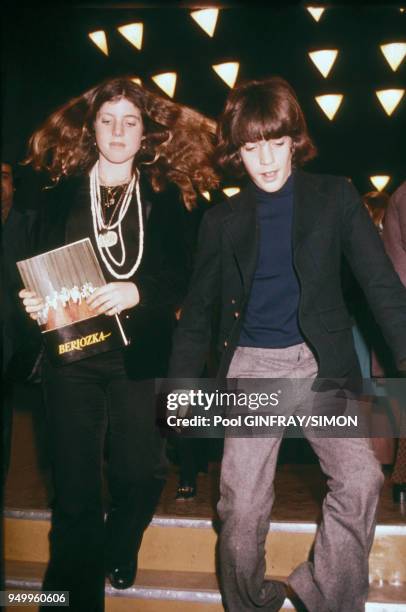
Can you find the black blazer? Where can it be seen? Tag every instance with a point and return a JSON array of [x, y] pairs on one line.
[[329, 221], [161, 278]]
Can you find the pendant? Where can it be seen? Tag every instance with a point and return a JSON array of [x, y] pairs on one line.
[[107, 239]]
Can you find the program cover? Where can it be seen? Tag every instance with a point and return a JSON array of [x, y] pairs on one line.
[[64, 278]]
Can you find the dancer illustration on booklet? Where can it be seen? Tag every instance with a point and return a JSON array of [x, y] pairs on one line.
[[111, 152], [271, 256]]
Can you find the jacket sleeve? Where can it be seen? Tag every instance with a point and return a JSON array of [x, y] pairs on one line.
[[374, 271], [192, 337]]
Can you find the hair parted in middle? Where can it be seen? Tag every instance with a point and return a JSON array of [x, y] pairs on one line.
[[261, 110], [177, 146]]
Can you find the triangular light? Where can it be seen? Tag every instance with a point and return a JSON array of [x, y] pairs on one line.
[[206, 19], [379, 181], [329, 104], [390, 98], [137, 80], [167, 82], [228, 72], [100, 40], [230, 191], [394, 54], [206, 195], [324, 60], [316, 12], [133, 33]]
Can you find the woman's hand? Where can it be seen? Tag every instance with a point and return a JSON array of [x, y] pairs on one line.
[[113, 298], [32, 303]]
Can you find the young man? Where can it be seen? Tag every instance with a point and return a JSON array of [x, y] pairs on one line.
[[271, 255]]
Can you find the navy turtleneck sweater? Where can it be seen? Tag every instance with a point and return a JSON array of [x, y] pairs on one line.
[[271, 317]]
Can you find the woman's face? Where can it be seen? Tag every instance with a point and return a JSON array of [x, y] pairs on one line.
[[118, 129]]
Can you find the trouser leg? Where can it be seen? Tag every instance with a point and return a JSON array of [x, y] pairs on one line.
[[137, 467], [76, 418], [336, 580], [247, 476], [246, 499]]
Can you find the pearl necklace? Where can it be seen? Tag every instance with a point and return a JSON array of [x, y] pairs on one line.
[[103, 230]]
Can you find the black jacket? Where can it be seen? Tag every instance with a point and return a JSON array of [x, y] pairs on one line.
[[161, 278], [329, 221]]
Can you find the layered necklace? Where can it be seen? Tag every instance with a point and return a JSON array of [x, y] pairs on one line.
[[107, 234]]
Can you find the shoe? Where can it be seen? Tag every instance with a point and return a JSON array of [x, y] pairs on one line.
[[399, 493], [185, 492], [123, 576]]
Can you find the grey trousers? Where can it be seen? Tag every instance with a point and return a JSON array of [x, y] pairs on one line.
[[336, 580]]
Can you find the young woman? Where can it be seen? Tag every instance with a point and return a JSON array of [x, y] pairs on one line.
[[110, 153], [271, 256]]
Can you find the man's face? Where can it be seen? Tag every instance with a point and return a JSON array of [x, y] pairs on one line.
[[6, 190], [268, 162]]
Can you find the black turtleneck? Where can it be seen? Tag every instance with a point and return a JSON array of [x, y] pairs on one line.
[[271, 318]]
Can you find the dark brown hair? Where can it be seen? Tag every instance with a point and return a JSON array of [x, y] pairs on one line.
[[177, 145], [376, 203], [261, 110]]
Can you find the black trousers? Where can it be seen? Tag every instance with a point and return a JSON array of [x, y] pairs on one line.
[[93, 408]]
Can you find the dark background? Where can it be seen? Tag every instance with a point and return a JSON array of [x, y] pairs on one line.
[[48, 58]]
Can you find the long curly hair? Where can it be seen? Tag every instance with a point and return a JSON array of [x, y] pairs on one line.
[[177, 146], [258, 110]]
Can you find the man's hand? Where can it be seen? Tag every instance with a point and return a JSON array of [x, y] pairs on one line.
[[113, 298]]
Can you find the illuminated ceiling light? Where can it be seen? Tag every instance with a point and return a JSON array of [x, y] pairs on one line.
[[329, 104], [133, 33], [228, 72], [137, 80], [100, 40], [206, 19], [379, 181], [167, 82], [230, 191], [390, 98], [394, 54], [316, 12], [402, 10], [206, 195], [324, 60]]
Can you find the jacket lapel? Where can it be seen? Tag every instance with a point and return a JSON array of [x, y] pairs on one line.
[[243, 231], [306, 206]]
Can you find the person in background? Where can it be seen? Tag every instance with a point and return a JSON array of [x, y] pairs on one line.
[[7, 190], [394, 239], [373, 353], [7, 193], [123, 164]]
